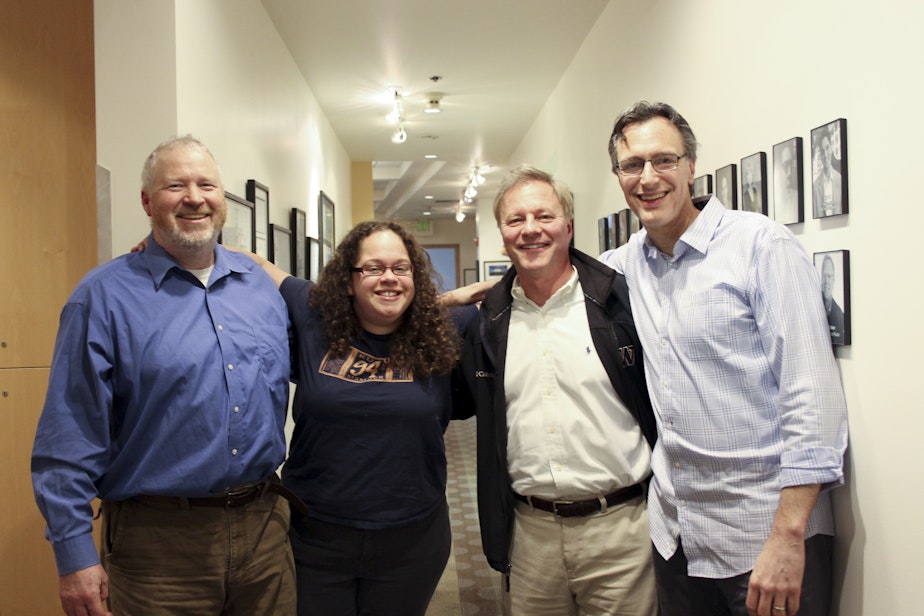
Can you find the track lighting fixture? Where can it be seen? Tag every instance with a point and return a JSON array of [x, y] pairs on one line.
[[433, 102], [470, 192], [460, 215], [400, 135], [396, 115]]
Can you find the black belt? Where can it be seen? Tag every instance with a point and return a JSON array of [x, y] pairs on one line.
[[569, 508], [235, 497]]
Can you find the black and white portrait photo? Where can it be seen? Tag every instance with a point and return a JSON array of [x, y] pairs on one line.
[[702, 186], [829, 169], [753, 183], [787, 182], [834, 268], [726, 186]]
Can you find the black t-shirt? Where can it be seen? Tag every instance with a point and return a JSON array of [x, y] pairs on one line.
[[367, 450]]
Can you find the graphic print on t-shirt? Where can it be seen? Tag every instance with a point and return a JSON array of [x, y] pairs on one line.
[[361, 367]]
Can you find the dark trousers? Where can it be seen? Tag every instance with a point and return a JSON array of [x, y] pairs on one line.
[[682, 595], [345, 571]]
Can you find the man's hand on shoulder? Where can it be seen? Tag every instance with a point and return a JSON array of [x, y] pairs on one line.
[[468, 294]]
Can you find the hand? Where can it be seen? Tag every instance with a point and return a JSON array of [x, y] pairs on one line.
[[140, 246], [83, 592], [776, 580], [468, 294]]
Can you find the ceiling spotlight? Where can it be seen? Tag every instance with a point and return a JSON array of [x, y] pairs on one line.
[[433, 102], [396, 115], [477, 178], [470, 192], [400, 135], [460, 215]]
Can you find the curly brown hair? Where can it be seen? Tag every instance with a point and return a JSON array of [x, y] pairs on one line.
[[425, 342]]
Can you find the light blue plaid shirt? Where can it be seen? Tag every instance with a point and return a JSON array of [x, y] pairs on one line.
[[743, 380]]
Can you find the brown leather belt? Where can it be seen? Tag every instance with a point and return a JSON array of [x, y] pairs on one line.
[[235, 497], [570, 509]]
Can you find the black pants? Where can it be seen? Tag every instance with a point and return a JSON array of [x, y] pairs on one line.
[[345, 571], [682, 595]]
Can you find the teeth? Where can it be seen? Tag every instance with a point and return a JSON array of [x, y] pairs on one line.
[[652, 197], [388, 293], [528, 246]]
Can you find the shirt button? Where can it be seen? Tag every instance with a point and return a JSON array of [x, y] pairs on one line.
[[220, 327], [234, 452], [237, 409], [230, 366]]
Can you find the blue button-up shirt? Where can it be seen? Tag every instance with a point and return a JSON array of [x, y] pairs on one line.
[[743, 381], [160, 386]]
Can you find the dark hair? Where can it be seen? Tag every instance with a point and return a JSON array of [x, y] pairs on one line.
[[643, 111], [425, 342]]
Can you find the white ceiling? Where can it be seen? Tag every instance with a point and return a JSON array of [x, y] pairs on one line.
[[495, 61]]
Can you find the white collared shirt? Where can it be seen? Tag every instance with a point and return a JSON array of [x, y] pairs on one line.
[[569, 434]]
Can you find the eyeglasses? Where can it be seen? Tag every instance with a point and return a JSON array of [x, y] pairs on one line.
[[661, 163], [376, 269]]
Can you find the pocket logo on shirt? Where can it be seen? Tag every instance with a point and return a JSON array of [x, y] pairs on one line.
[[361, 367]]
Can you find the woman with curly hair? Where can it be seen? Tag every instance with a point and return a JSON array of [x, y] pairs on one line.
[[374, 355]]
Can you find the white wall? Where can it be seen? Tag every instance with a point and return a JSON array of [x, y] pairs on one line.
[[216, 69], [747, 75]]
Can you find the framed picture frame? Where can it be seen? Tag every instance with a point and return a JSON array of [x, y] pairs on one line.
[[314, 258], [239, 224], [788, 194], [603, 234], [829, 169], [726, 186], [325, 228], [298, 223], [702, 186], [754, 183], [258, 194], [834, 268], [612, 228], [280, 246], [469, 276], [495, 270]]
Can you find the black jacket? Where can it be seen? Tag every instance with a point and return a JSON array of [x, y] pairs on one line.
[[606, 297]]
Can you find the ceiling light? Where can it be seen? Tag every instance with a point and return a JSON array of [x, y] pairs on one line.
[[470, 192], [433, 102], [460, 215], [396, 115], [477, 178], [428, 196], [400, 135], [427, 213], [429, 155]]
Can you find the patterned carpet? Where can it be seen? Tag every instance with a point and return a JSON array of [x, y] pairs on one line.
[[469, 587]]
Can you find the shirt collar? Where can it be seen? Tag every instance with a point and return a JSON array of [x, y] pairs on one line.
[[698, 235], [560, 296], [160, 263]]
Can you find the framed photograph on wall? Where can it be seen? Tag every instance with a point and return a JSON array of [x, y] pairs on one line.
[[829, 169], [702, 186], [603, 234], [280, 246], [238, 230], [314, 259], [299, 225], [495, 270], [622, 227], [834, 268], [469, 276], [788, 195], [258, 194], [726, 186], [754, 183], [325, 228], [612, 230]]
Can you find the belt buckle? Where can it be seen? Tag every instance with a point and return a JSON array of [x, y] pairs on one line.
[[556, 503], [232, 497]]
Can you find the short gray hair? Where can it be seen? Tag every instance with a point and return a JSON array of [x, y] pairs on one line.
[[523, 174], [174, 143]]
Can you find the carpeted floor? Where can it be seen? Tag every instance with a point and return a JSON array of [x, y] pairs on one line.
[[469, 587]]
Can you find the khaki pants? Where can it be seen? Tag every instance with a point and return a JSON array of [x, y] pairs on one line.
[[593, 565], [164, 559]]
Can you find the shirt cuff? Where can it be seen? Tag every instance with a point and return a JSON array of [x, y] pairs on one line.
[[817, 465], [75, 554]]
